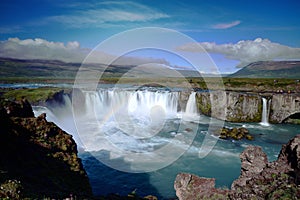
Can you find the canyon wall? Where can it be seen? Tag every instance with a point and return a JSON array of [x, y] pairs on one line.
[[283, 106], [247, 107]]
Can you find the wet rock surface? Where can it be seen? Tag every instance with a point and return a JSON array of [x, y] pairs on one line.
[[37, 158], [259, 179], [235, 133]]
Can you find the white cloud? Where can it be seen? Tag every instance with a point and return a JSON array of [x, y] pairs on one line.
[[70, 52], [226, 25], [108, 13], [247, 51], [41, 49]]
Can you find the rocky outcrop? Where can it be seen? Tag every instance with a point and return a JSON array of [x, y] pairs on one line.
[[235, 133], [259, 179], [190, 187], [247, 107], [39, 158], [19, 108], [290, 155], [230, 106], [283, 106]]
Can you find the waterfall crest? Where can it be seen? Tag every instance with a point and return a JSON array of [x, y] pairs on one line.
[[135, 103]]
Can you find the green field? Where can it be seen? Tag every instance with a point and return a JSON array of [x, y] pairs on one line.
[[230, 84]]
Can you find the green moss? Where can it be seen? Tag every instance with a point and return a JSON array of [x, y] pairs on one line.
[[32, 95], [287, 193], [11, 189], [204, 105]]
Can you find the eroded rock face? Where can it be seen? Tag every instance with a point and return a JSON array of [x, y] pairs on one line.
[[284, 105], [235, 133], [290, 155], [230, 106], [191, 187], [259, 178], [247, 107], [253, 162], [41, 157], [19, 108]]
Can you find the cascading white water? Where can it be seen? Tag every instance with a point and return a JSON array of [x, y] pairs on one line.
[[127, 114], [123, 117], [191, 106], [265, 113], [135, 103]]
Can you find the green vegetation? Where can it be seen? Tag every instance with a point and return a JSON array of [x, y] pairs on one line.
[[231, 84], [32, 95], [204, 104], [11, 189], [53, 71]]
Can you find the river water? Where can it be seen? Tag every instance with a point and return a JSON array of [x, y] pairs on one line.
[[122, 135]]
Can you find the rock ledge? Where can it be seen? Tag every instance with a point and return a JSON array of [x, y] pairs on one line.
[[259, 179]]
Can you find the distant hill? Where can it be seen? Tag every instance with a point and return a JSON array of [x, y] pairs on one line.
[[19, 68], [36, 68], [270, 69], [12, 68]]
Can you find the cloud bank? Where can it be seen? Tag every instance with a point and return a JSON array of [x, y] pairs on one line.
[[42, 49], [247, 51], [69, 52]]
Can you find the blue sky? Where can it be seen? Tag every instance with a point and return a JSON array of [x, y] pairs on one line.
[[220, 26]]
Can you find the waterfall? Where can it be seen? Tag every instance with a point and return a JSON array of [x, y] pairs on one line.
[[135, 103], [265, 113], [122, 117], [191, 106]]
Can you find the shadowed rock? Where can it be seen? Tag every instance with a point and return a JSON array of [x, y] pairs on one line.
[[259, 178], [19, 108], [39, 158]]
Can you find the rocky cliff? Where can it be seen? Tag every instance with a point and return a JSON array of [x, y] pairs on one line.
[[247, 107], [38, 159], [259, 179], [230, 106], [283, 106]]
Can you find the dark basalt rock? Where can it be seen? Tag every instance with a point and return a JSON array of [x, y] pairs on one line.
[[38, 159], [259, 178], [290, 155], [235, 133], [18, 108]]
